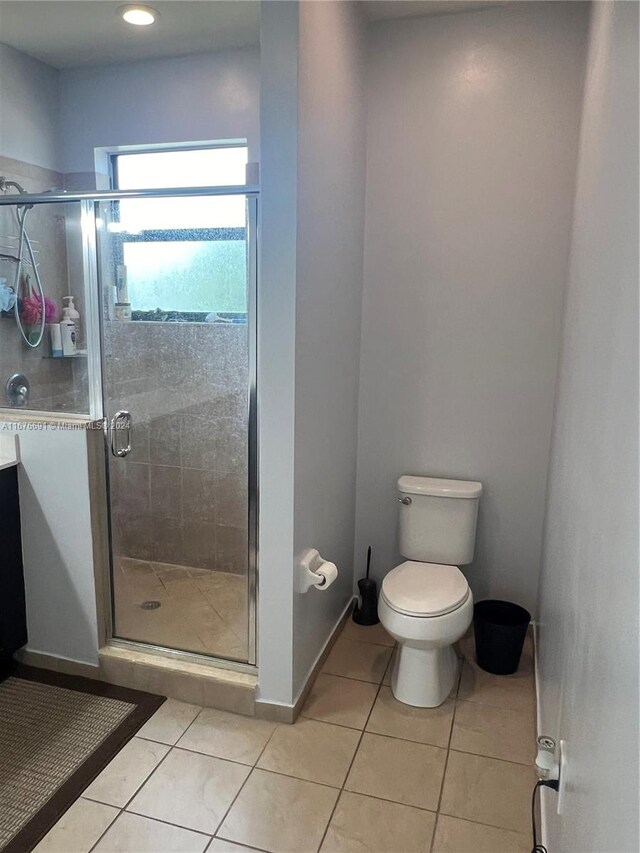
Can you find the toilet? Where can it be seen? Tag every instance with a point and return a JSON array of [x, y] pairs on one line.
[[425, 603]]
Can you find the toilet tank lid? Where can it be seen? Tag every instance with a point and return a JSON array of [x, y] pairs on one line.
[[441, 488]]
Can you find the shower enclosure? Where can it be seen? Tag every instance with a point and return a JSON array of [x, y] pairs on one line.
[[57, 385], [169, 366]]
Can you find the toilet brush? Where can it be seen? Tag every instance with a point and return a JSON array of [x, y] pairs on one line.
[[366, 612]]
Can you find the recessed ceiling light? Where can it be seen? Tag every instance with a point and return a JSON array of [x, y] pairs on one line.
[[139, 16]]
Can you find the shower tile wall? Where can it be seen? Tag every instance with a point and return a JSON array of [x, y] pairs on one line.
[[180, 496], [56, 385]]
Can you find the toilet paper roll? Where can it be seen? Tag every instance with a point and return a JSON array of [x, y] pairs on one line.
[[328, 573]]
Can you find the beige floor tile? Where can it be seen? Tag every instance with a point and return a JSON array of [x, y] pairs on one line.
[[488, 791], [398, 770], [279, 814], [504, 691], [338, 700], [78, 829], [190, 790], [461, 836], [496, 732], [219, 845], [364, 825], [387, 676], [367, 633], [364, 661], [134, 834], [426, 725], [122, 777], [317, 752], [229, 736], [170, 721]]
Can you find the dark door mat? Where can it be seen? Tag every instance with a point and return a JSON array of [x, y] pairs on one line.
[[57, 732]]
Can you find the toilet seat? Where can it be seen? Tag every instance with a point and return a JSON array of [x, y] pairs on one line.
[[425, 589]]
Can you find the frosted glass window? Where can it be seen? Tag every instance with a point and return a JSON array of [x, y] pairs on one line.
[[187, 276], [199, 167], [182, 254], [152, 214]]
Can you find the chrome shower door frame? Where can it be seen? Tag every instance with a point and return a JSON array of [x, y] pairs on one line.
[[97, 402]]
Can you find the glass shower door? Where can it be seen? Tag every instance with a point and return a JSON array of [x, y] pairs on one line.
[[177, 280]]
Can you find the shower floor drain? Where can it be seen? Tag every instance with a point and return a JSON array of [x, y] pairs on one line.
[[150, 605]]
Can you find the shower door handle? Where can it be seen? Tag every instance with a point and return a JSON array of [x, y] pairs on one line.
[[121, 420]]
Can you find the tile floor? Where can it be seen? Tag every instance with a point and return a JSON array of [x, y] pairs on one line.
[[200, 610], [357, 772]]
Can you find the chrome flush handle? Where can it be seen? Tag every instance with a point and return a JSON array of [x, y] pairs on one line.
[[406, 501]]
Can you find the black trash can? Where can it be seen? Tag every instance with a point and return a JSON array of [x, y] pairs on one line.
[[500, 628]]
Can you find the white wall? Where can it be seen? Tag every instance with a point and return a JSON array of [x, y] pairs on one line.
[[588, 637], [471, 152], [312, 171], [28, 109], [183, 99], [331, 171], [276, 345], [56, 542]]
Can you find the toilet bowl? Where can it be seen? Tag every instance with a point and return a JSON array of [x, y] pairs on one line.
[[425, 603], [426, 607]]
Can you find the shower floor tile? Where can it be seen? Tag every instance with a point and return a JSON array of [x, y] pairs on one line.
[[181, 607]]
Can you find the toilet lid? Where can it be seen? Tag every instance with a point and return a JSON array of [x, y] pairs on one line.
[[425, 589]]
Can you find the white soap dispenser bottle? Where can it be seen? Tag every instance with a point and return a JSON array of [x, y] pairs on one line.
[[74, 314], [68, 329]]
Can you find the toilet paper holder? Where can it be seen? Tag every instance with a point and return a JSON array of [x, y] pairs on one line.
[[311, 571]]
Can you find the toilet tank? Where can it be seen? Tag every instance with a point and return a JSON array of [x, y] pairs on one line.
[[438, 519]]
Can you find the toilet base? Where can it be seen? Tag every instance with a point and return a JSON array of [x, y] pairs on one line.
[[423, 677]]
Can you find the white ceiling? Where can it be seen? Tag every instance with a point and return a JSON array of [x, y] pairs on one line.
[[76, 33], [382, 10]]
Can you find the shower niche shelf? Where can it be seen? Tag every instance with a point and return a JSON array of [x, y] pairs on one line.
[[82, 354]]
